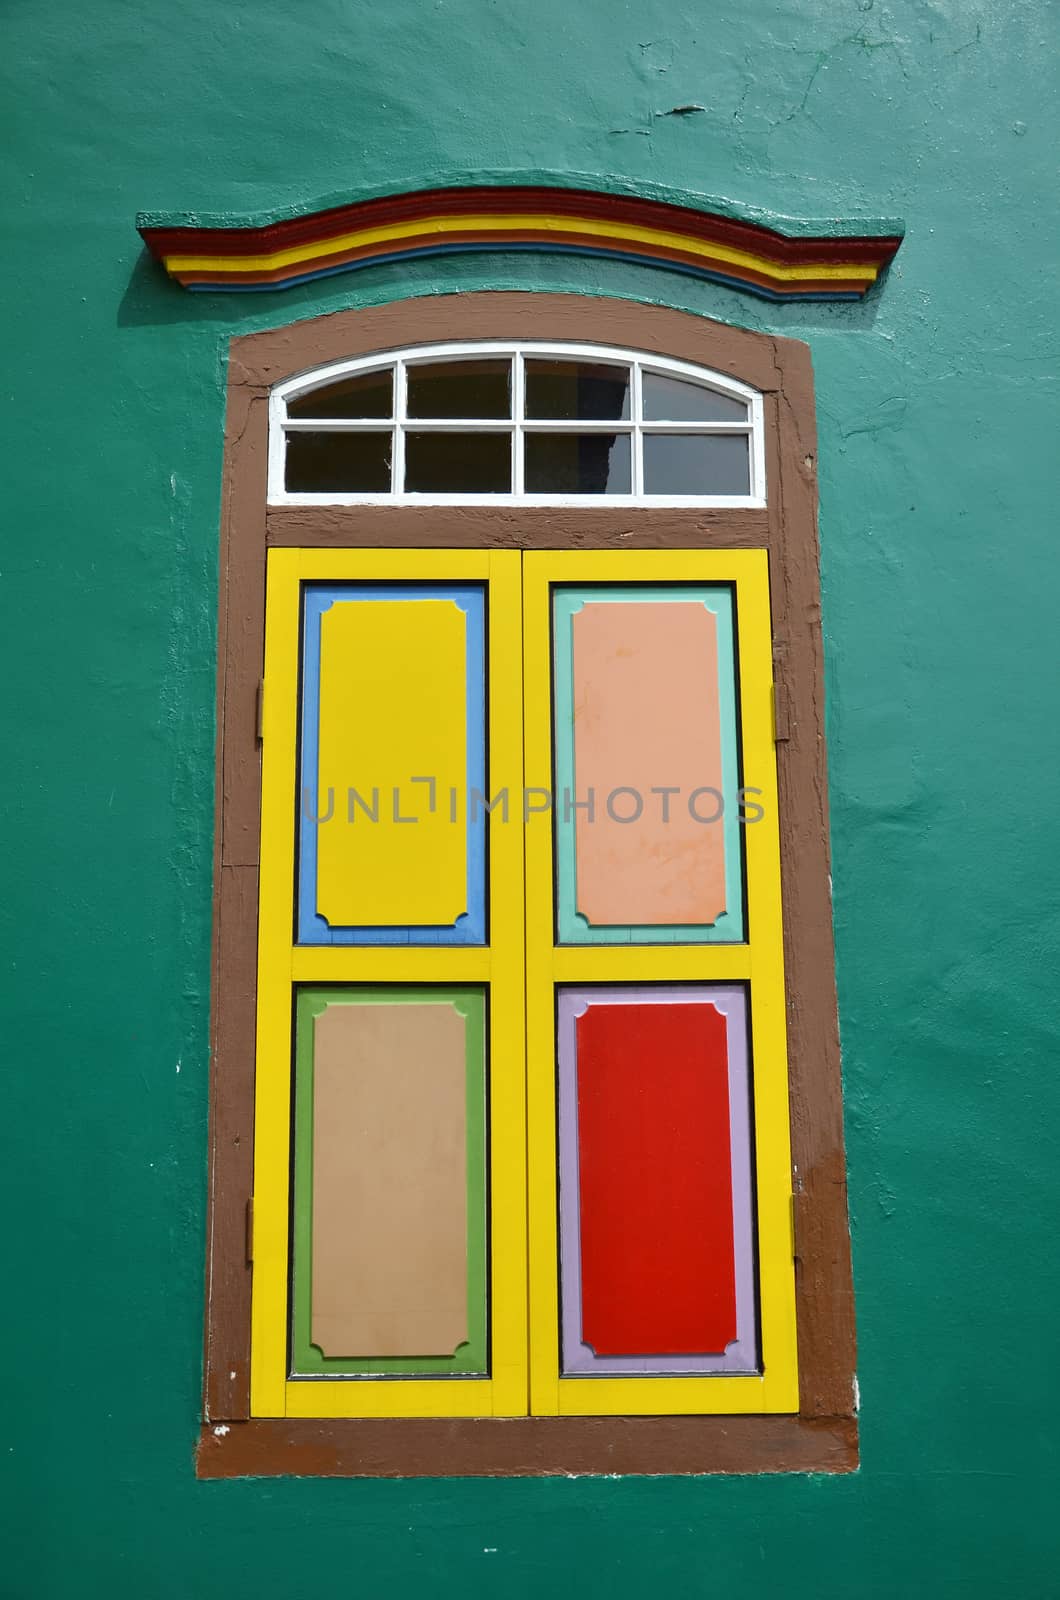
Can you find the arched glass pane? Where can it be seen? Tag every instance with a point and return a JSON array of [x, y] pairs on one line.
[[696, 464], [458, 463], [371, 394], [471, 389], [672, 400], [576, 391], [338, 463], [578, 463]]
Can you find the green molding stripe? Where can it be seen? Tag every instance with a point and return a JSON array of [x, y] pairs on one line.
[[778, 259], [572, 927], [471, 1359]]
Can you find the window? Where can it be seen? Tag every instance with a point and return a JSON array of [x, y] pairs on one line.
[[483, 424], [529, 990]]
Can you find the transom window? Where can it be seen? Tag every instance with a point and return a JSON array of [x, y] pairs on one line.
[[486, 423]]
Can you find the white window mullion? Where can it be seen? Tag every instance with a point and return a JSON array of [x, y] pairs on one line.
[[698, 427], [277, 470], [338, 425], [757, 446], [636, 411], [397, 480], [580, 425], [518, 417], [457, 425]]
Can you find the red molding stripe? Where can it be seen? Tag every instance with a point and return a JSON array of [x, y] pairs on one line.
[[740, 254]]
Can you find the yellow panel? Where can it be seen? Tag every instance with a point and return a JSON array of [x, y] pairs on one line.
[[272, 1084], [394, 1397], [279, 965], [337, 963], [676, 1397], [508, 1307], [760, 961], [669, 963], [393, 697]]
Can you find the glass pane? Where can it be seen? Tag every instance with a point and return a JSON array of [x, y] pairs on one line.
[[670, 400], [338, 463], [458, 463], [369, 395], [469, 389], [578, 463], [696, 463], [576, 391]]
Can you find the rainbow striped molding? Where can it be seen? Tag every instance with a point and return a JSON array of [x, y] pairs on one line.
[[802, 261]]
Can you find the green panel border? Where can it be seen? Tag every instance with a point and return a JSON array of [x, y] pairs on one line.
[[470, 1359], [572, 927]]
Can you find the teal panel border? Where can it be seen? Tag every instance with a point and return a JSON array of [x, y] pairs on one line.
[[571, 926], [471, 1358]]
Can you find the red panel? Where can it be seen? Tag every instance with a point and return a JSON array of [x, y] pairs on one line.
[[655, 1180]]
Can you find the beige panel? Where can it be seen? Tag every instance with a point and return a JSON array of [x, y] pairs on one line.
[[389, 1180], [646, 717]]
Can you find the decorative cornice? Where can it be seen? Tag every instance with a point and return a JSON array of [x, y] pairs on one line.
[[802, 261]]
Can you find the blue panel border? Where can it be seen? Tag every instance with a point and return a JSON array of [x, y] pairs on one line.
[[469, 929]]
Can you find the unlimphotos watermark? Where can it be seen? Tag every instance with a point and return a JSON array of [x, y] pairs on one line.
[[400, 803]]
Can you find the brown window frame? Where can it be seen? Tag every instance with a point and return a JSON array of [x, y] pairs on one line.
[[823, 1435]]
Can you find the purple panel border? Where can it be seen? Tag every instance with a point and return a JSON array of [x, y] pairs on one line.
[[577, 1358]]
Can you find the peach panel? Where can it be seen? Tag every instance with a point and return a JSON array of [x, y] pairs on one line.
[[646, 717]]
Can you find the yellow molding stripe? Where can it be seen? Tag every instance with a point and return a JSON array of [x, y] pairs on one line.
[[395, 232], [279, 966], [760, 962]]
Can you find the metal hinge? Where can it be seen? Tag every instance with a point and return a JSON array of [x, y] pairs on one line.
[[781, 706], [259, 714], [781, 716], [248, 1236], [798, 1201]]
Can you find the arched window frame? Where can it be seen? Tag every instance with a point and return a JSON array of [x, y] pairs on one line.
[[639, 362]]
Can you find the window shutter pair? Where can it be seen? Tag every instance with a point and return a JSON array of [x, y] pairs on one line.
[[522, 1110]]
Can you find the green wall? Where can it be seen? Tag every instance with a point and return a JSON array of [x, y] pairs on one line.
[[939, 531]]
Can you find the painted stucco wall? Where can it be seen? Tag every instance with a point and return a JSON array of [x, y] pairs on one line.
[[938, 455]]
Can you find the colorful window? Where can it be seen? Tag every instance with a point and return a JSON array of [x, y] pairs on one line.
[[414, 757], [526, 1135]]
